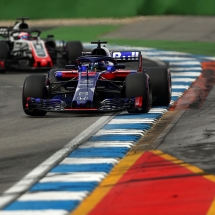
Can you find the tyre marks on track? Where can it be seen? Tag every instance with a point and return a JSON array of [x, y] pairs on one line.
[[195, 96]]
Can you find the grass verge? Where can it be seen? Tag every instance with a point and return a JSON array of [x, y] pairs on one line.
[[82, 33], [92, 33], [200, 48]]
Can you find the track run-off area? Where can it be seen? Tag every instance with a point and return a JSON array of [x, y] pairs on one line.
[[113, 167]]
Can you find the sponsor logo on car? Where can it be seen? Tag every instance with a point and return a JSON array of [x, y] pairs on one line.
[[125, 55]]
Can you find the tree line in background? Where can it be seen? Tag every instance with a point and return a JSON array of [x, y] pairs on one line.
[[59, 9]]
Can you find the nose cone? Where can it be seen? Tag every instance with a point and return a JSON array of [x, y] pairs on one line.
[[43, 62]]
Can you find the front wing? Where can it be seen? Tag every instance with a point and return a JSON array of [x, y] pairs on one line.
[[58, 105]]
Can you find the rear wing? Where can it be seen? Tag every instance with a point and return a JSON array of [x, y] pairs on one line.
[[4, 31], [129, 56]]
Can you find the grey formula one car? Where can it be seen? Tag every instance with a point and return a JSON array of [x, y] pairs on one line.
[[98, 83], [21, 48]]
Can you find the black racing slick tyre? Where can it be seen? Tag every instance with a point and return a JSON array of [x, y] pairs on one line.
[[4, 51], [74, 50], [161, 85], [138, 85], [34, 86], [4, 54]]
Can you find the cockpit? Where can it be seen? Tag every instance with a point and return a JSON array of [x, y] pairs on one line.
[[98, 64]]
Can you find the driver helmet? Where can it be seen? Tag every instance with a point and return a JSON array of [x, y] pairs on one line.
[[23, 36], [100, 65]]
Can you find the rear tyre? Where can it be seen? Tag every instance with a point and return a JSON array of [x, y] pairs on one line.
[[138, 85], [4, 54], [161, 85], [34, 86], [74, 50]]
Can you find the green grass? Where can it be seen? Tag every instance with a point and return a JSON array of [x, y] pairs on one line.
[[92, 33], [200, 48], [82, 33]]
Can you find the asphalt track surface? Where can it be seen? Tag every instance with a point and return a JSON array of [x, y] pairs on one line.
[[193, 136], [171, 28], [26, 142]]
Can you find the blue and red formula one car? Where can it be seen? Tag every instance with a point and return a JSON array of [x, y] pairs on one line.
[[98, 82]]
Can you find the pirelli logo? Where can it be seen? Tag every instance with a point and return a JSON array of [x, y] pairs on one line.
[[126, 55]]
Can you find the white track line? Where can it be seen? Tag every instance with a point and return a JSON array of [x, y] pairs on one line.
[[177, 93], [185, 69], [89, 160], [183, 79], [35, 212], [119, 132], [52, 196], [108, 144], [120, 121], [74, 177], [180, 86], [194, 74], [185, 63]]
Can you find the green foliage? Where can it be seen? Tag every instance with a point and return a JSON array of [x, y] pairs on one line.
[[41, 9], [59, 9], [177, 7]]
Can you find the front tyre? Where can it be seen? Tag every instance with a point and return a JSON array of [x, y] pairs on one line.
[[138, 85], [34, 86]]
